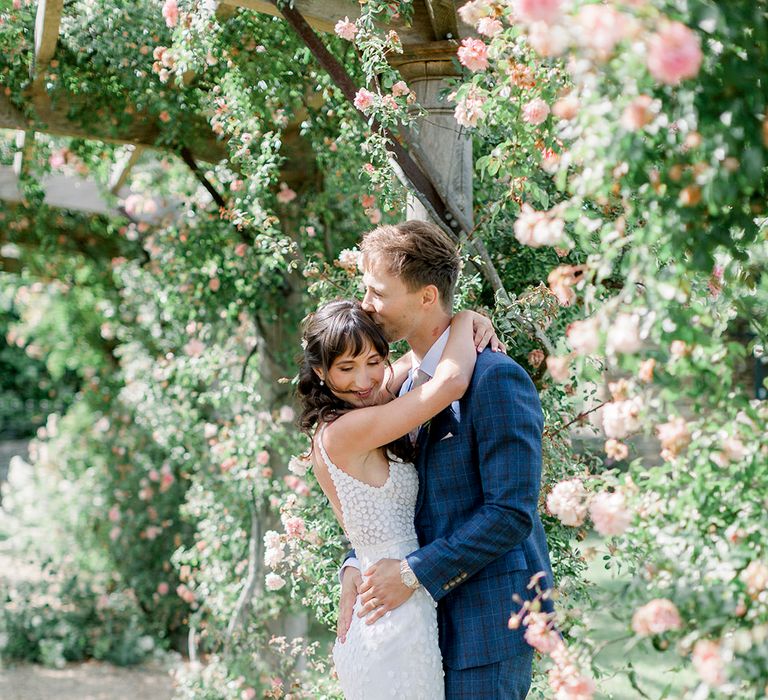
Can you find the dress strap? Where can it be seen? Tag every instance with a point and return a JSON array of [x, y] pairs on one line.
[[328, 463]]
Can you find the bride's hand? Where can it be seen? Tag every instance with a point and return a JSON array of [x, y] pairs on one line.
[[351, 580], [485, 333]]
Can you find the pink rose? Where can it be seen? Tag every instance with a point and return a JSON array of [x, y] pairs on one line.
[[298, 466], [273, 556], [674, 53], [286, 415], [114, 533], [374, 215], [241, 249], [584, 336], [566, 108], [473, 53], [286, 194], [472, 12], [559, 368], [708, 662], [364, 99], [171, 13], [539, 632], [346, 29], [624, 334], [349, 260], [114, 514], [674, 437], [655, 617], [236, 185], [535, 112], [214, 284], [602, 27], [400, 89], [194, 348], [638, 113], [163, 588], [614, 449], [469, 110], [609, 513], [547, 39], [567, 502], [538, 10], [274, 582], [622, 418], [185, 594], [538, 228], [678, 349], [562, 280], [295, 527], [489, 26], [755, 577], [262, 458], [248, 694]]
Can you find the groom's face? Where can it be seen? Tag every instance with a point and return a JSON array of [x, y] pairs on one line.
[[394, 308]]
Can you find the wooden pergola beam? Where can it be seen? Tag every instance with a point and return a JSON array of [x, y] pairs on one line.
[[322, 16]]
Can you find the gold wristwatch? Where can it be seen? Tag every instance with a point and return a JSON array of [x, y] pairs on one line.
[[407, 576]]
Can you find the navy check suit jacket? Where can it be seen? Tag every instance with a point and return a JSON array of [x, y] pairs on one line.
[[477, 513]]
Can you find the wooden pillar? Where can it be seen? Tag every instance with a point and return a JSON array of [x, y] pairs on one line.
[[444, 147]]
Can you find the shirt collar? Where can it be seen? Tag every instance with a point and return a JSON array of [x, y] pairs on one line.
[[430, 360]]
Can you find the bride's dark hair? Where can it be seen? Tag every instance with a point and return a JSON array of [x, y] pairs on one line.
[[336, 328]]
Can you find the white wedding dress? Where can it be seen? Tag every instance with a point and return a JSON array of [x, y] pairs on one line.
[[398, 655]]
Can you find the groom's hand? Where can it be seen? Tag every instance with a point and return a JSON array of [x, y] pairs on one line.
[[383, 590], [351, 581]]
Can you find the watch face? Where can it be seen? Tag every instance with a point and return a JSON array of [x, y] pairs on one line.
[[409, 579]]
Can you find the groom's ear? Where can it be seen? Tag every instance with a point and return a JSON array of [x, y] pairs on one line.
[[429, 295]]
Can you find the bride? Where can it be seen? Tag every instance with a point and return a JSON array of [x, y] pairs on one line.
[[362, 452]]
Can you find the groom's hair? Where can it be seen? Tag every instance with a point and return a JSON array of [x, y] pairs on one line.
[[419, 253]]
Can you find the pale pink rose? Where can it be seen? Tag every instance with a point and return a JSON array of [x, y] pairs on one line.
[[374, 215], [472, 12], [469, 110], [389, 102], [584, 336], [163, 588], [489, 26], [645, 373], [576, 687], [678, 349], [274, 582], [566, 108], [656, 617], [262, 458], [538, 228], [624, 334], [709, 663], [539, 632], [114, 533], [674, 53], [568, 502], [298, 466], [536, 112], [547, 40], [755, 577], [311, 232], [732, 450], [295, 527], [562, 280], [622, 418], [473, 53], [171, 13], [638, 113], [236, 185], [349, 260], [535, 358], [364, 99], [559, 368], [185, 594], [346, 29], [273, 556], [614, 449], [609, 513], [58, 158], [166, 481], [400, 89], [297, 485], [194, 348], [537, 10], [248, 694], [286, 194], [674, 437], [602, 27], [114, 514], [272, 539], [241, 249], [214, 284], [286, 415]]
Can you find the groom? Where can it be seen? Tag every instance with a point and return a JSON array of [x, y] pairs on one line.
[[479, 465]]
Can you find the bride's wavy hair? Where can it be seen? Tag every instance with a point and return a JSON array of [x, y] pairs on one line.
[[336, 328]]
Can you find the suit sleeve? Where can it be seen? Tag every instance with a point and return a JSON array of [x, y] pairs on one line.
[[506, 421]]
